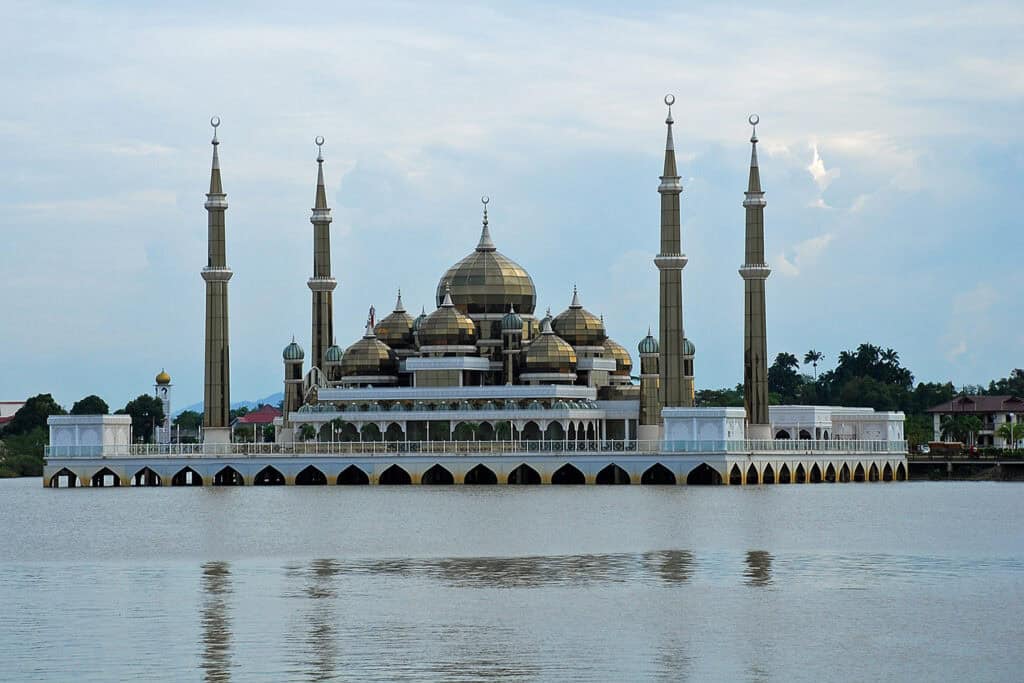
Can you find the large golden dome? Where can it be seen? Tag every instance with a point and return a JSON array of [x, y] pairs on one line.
[[487, 281], [549, 353], [578, 326], [395, 329], [447, 326], [369, 356], [623, 363]]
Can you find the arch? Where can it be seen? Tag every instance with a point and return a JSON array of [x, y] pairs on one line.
[[530, 432], [394, 476], [901, 473], [814, 476], [568, 474], [572, 434], [310, 476], [349, 432], [591, 433], [782, 434], [801, 474], [186, 477], [437, 476], [873, 472], [394, 432], [371, 432], [353, 476], [703, 475], [805, 435], [887, 472], [613, 474], [858, 474], [228, 476], [784, 475], [752, 477], [146, 477], [480, 475], [735, 476], [768, 476], [485, 432], [524, 474], [106, 477], [554, 432], [844, 473], [69, 481], [658, 475], [830, 474], [269, 476], [824, 435]]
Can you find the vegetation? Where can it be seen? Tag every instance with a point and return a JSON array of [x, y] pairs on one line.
[[189, 420], [146, 412], [90, 405]]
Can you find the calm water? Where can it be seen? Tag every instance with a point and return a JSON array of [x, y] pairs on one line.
[[908, 581]]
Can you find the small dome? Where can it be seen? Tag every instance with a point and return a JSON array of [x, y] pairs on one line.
[[396, 328], [334, 354], [623, 363], [369, 356], [578, 326], [688, 348], [293, 351], [511, 322], [163, 378], [648, 344], [447, 326], [549, 353], [419, 320]]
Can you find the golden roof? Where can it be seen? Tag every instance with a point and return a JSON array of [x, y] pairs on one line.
[[623, 363], [447, 326], [369, 356], [549, 353], [163, 377], [395, 329], [578, 326]]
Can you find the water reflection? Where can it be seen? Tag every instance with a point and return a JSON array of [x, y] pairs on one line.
[[759, 568], [216, 621], [321, 637]]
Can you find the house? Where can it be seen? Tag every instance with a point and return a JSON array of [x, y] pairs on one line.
[[7, 411], [256, 420], [991, 410]]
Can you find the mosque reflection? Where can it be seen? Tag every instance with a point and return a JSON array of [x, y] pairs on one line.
[[216, 621], [759, 568]]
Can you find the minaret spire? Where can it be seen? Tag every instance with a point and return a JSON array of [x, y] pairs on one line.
[[754, 273], [217, 366], [322, 283], [485, 244]]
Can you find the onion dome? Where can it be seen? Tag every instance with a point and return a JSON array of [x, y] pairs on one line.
[[648, 344], [163, 378], [293, 351], [369, 356], [688, 348], [623, 363], [395, 329], [512, 322], [578, 326], [487, 281], [334, 353], [549, 353], [419, 320], [447, 326]]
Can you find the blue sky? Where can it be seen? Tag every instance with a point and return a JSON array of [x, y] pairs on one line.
[[890, 152]]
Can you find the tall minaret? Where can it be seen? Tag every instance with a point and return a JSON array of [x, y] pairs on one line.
[[754, 272], [217, 385], [321, 284], [670, 262]]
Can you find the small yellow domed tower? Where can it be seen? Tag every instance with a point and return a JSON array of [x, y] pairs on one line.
[[162, 391]]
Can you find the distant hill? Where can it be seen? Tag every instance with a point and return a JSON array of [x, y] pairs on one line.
[[272, 399]]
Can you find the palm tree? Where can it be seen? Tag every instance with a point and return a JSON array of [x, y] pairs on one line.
[[1011, 433], [813, 357], [890, 356]]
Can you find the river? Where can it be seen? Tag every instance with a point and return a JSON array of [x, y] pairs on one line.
[[894, 581]]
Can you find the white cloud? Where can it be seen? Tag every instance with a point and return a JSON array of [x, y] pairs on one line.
[[804, 254], [822, 177]]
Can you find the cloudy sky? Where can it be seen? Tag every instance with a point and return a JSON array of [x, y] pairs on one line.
[[891, 157]]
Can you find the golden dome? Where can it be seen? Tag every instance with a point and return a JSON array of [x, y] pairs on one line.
[[369, 356], [623, 363], [395, 329], [163, 378], [487, 281], [447, 326], [549, 353], [578, 326]]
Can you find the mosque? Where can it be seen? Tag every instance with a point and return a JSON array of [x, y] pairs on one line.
[[484, 389]]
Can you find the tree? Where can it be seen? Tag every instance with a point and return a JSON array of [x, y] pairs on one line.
[[33, 414], [813, 357], [90, 405], [1011, 432], [783, 378], [189, 419], [960, 427], [237, 412], [307, 432], [146, 412], [21, 455], [1012, 385]]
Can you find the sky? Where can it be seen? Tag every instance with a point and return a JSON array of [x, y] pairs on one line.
[[890, 156]]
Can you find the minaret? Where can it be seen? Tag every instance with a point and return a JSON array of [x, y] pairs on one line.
[[650, 404], [754, 272], [670, 262], [321, 284], [292, 356], [217, 385]]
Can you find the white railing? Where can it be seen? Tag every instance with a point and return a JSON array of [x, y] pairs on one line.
[[334, 448]]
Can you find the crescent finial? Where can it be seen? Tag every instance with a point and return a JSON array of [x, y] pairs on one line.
[[670, 99]]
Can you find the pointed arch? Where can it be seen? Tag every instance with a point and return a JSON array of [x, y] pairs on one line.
[[784, 475], [768, 476], [106, 477], [887, 472], [658, 475], [480, 475], [814, 476], [485, 432], [612, 474], [801, 474], [805, 435], [146, 477], [530, 432], [269, 476], [310, 476], [844, 473], [858, 474], [353, 476], [228, 476], [830, 474], [703, 475], [437, 476], [555, 431], [186, 477], [873, 472], [568, 474], [735, 476], [371, 432], [64, 479], [752, 477], [901, 473], [394, 432], [524, 474], [394, 476]]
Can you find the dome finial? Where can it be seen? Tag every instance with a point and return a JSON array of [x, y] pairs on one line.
[[575, 299], [399, 307], [215, 122], [447, 303], [319, 140], [485, 243]]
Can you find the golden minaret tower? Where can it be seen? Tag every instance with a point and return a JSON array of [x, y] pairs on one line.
[[321, 284]]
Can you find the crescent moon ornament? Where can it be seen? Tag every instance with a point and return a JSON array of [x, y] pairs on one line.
[[485, 200], [753, 119], [319, 140], [670, 99], [215, 121]]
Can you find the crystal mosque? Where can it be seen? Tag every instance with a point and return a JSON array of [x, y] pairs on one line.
[[485, 389]]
